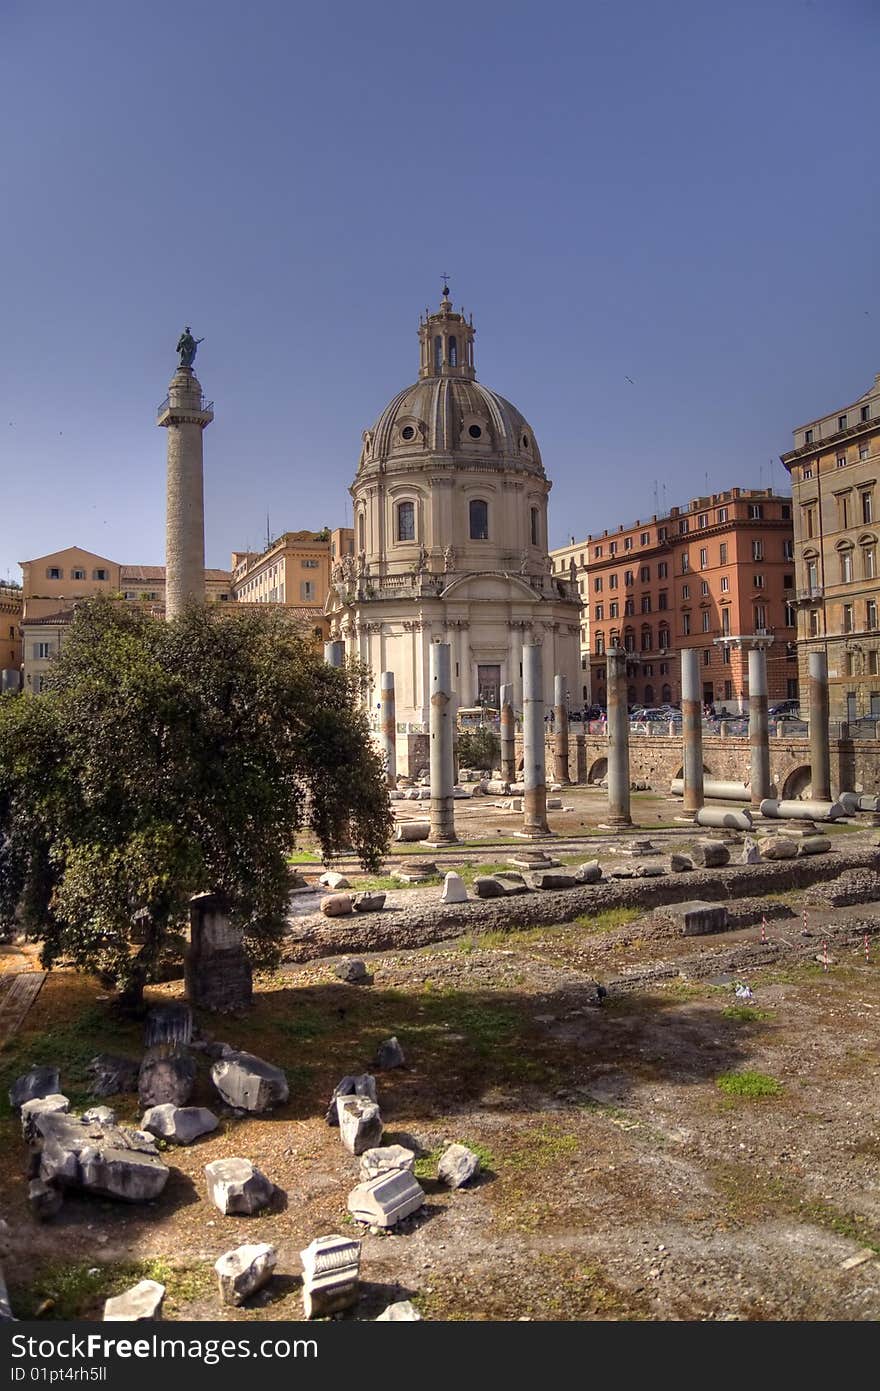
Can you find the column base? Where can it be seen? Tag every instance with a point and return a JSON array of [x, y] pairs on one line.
[[535, 835]]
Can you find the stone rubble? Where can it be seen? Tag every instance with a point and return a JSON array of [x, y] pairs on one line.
[[337, 905], [166, 1077], [710, 854], [454, 890], [778, 848], [386, 1200], [103, 1159], [181, 1124], [352, 970], [389, 1054], [244, 1270], [332, 880], [360, 1123], [364, 1085], [236, 1186], [248, 1083], [381, 1161], [39, 1082], [371, 901], [41, 1106], [6, 1314], [44, 1199], [331, 1268], [458, 1165], [142, 1301], [403, 1311], [112, 1075]]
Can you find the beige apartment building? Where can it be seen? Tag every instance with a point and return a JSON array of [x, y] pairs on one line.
[[720, 568], [10, 637], [294, 570], [834, 469], [53, 584]]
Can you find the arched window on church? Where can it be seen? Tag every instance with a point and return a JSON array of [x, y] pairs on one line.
[[438, 353], [453, 352], [361, 531], [406, 521], [535, 541], [479, 519]]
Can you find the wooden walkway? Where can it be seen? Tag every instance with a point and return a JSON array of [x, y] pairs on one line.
[[20, 985]]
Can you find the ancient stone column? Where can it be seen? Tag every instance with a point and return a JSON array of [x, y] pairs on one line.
[[560, 730], [580, 754], [692, 728], [440, 725], [388, 728], [820, 749], [184, 414], [759, 728], [508, 735], [534, 775], [217, 972], [334, 653], [618, 739]]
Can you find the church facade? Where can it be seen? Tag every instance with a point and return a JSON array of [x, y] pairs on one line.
[[450, 538]]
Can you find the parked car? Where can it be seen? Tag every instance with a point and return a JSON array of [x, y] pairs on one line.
[[785, 709]]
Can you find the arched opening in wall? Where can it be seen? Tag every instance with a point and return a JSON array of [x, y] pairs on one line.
[[679, 772], [599, 771], [438, 353], [534, 524], [453, 352], [361, 532], [631, 695], [479, 520], [666, 694], [406, 521], [798, 784], [649, 695]]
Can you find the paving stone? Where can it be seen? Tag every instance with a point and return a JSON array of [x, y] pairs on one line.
[[142, 1301], [331, 1267], [249, 1083], [458, 1165], [360, 1123], [386, 1200], [244, 1270], [236, 1186]]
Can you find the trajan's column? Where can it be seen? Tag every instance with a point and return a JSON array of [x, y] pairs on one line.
[[185, 413]]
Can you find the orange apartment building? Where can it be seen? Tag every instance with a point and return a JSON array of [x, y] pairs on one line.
[[721, 567], [294, 570]]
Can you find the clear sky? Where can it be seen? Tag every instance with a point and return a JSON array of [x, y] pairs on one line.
[[681, 193]]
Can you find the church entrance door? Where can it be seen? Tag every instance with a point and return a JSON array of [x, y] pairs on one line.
[[489, 686]]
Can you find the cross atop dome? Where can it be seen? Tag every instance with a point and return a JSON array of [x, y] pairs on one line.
[[446, 341]]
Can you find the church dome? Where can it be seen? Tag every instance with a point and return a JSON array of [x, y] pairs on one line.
[[447, 411]]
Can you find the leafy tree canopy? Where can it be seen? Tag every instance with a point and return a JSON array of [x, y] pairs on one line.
[[479, 748], [165, 759]]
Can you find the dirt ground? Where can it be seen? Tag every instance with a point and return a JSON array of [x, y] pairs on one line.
[[674, 1154]]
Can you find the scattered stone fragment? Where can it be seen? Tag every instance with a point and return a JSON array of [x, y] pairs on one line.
[[104, 1115], [866, 1254], [386, 1200], [588, 873], [649, 871], [182, 1124], [710, 854], [499, 885], [111, 1075], [331, 1265], [236, 1186], [403, 1310], [554, 804], [389, 1054], [353, 971], [41, 1106], [337, 905], [142, 1301], [381, 1161], [333, 880], [248, 1083], [553, 879], [638, 847], [364, 1085], [814, 845], [454, 890], [5, 1306], [171, 1024], [33, 1085], [245, 1270], [166, 1077], [416, 873], [695, 918], [779, 848], [457, 1165], [360, 1123], [108, 1160], [751, 854], [680, 864], [44, 1199], [368, 902]]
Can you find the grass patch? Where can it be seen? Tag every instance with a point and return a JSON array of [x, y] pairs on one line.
[[748, 1084], [78, 1290], [609, 919], [745, 1014]]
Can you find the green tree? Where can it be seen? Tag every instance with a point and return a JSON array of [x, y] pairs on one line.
[[165, 759], [479, 748]]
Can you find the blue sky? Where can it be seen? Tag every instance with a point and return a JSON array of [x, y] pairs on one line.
[[685, 194]]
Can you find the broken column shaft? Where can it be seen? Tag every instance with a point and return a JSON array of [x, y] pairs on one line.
[[560, 730], [820, 751], [534, 776], [388, 727], [618, 739], [759, 728], [692, 729], [508, 735], [441, 761]]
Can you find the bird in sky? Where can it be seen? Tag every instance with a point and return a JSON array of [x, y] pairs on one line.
[[630, 380]]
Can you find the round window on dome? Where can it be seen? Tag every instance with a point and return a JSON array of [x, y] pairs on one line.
[[407, 433], [474, 431]]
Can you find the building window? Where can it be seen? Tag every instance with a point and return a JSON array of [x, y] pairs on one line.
[[760, 618], [685, 591], [725, 623], [600, 644], [864, 451], [42, 650], [872, 664], [629, 608], [728, 690], [685, 563], [600, 611], [362, 529], [534, 519], [663, 570], [703, 520], [867, 507], [479, 519], [788, 550], [808, 437], [628, 543], [307, 564], [628, 577], [756, 511], [662, 533], [663, 640], [597, 584], [438, 354], [812, 575], [612, 548], [629, 641], [614, 609], [786, 512], [722, 514], [645, 538], [453, 352], [684, 527], [77, 574], [808, 522], [646, 603], [722, 557], [814, 623], [869, 562], [707, 656], [647, 640], [704, 557], [725, 584], [865, 413], [663, 600], [758, 581], [841, 461], [757, 550], [871, 615], [307, 589], [645, 574], [847, 618], [406, 521], [705, 620], [612, 581], [54, 573], [843, 511], [841, 422], [704, 587], [685, 624], [845, 567], [790, 618]]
